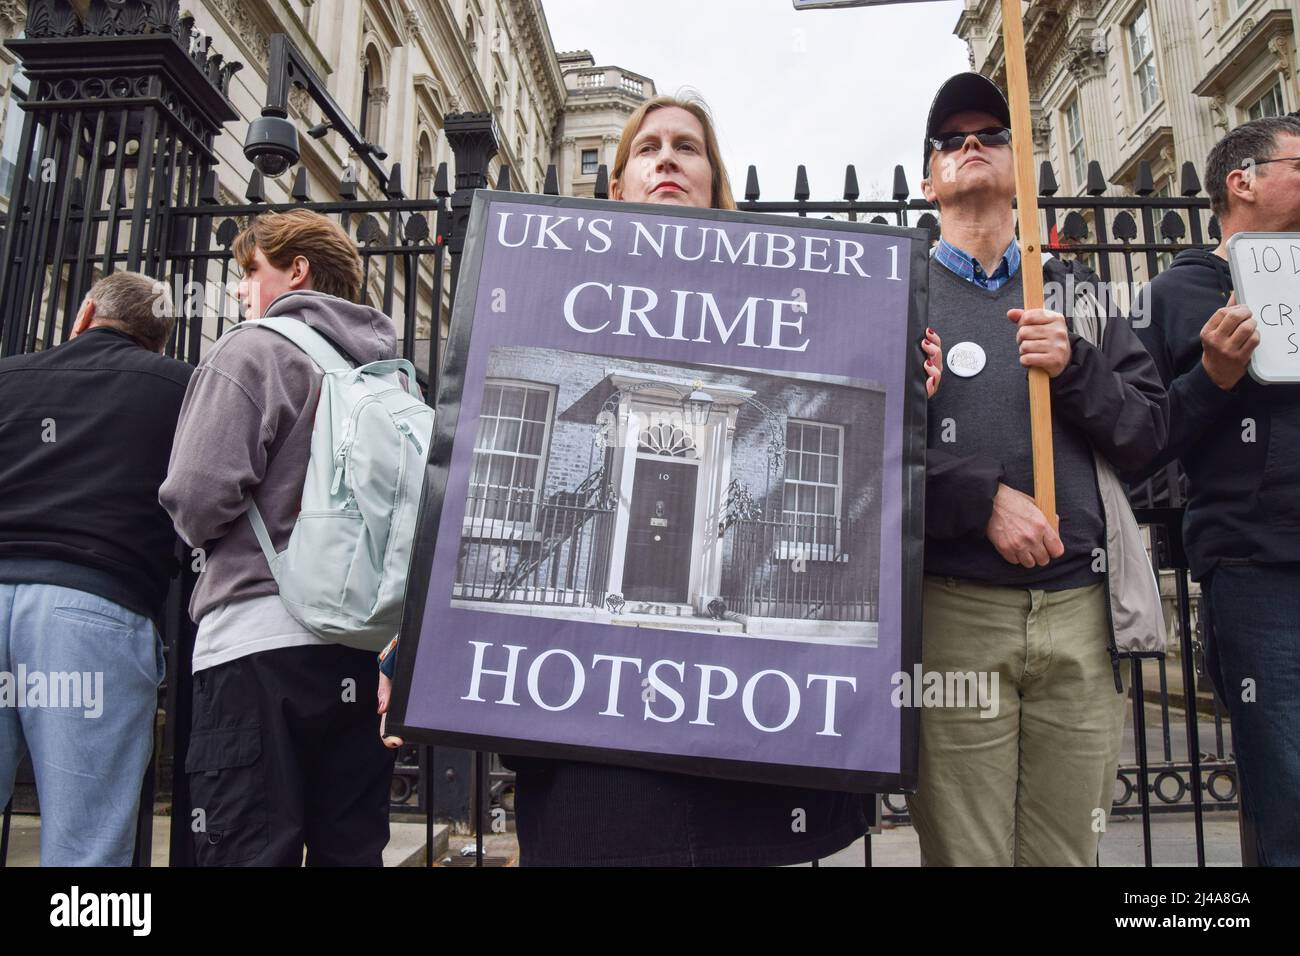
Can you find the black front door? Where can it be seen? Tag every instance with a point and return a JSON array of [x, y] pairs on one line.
[[658, 562]]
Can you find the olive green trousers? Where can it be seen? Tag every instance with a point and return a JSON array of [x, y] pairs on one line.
[[1030, 782]]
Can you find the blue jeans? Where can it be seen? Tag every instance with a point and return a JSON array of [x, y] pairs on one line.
[[79, 680], [1254, 652]]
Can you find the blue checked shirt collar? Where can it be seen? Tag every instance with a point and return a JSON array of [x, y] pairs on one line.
[[967, 268]]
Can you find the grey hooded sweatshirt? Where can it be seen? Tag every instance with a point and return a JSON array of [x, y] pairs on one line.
[[245, 429]]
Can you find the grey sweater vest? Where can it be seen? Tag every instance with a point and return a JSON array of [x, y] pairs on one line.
[[987, 415]]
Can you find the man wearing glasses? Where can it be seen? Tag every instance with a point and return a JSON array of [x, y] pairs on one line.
[[1239, 443], [1030, 782]]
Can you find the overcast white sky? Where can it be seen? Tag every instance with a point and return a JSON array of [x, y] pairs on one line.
[[823, 87]]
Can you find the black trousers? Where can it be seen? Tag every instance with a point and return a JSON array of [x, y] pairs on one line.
[[285, 753], [581, 814]]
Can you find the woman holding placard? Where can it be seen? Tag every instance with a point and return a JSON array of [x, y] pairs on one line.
[[582, 814]]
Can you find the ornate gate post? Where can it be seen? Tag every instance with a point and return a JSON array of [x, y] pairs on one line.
[[117, 133], [473, 139]]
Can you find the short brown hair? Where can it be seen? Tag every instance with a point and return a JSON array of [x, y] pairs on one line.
[[137, 304], [1254, 140], [283, 236], [722, 197]]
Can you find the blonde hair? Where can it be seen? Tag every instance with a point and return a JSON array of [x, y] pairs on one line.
[[283, 236], [721, 198]]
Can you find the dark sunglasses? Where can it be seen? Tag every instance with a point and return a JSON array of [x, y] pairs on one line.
[[993, 136]]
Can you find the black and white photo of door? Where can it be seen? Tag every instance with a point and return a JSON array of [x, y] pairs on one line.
[[661, 523]]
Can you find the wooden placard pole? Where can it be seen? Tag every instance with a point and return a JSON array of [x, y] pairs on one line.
[[1031, 248]]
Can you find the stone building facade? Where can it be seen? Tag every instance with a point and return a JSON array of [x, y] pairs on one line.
[[599, 101], [1123, 81], [395, 67]]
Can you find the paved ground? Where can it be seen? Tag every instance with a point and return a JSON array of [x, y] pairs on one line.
[[1173, 843], [405, 846], [1173, 839]]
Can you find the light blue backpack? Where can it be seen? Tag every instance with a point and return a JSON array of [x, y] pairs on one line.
[[343, 575]]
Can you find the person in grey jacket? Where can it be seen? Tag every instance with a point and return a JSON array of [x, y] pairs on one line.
[[285, 750], [1026, 778]]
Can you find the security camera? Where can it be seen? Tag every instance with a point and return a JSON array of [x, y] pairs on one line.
[[272, 144]]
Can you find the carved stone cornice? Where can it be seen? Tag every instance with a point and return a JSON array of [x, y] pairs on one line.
[[1280, 47], [245, 28], [249, 34], [13, 15], [1273, 34], [1085, 59], [1219, 112], [1041, 127], [543, 64]]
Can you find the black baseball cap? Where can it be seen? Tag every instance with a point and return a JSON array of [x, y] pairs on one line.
[[965, 91]]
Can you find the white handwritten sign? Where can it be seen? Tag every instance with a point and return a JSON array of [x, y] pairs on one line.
[[1266, 275]]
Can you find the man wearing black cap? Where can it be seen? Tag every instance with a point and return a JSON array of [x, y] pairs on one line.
[[1044, 614]]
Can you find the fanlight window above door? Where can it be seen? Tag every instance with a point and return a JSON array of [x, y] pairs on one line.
[[668, 439]]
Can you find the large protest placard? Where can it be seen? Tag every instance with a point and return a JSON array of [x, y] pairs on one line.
[[1266, 275], [673, 515]]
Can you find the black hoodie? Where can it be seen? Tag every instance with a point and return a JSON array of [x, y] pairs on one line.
[[1240, 448]]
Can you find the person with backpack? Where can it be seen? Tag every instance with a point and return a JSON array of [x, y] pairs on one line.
[[295, 471]]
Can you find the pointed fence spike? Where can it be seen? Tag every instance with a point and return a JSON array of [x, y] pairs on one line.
[[256, 191], [602, 182], [751, 185], [1096, 181], [1047, 185], [901, 189], [801, 191], [851, 191], [393, 188], [301, 191], [1146, 183], [348, 183], [208, 192]]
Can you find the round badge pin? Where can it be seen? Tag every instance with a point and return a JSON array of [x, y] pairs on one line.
[[966, 359]]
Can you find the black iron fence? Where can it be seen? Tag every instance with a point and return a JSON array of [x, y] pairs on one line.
[[801, 568], [128, 129], [516, 550]]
